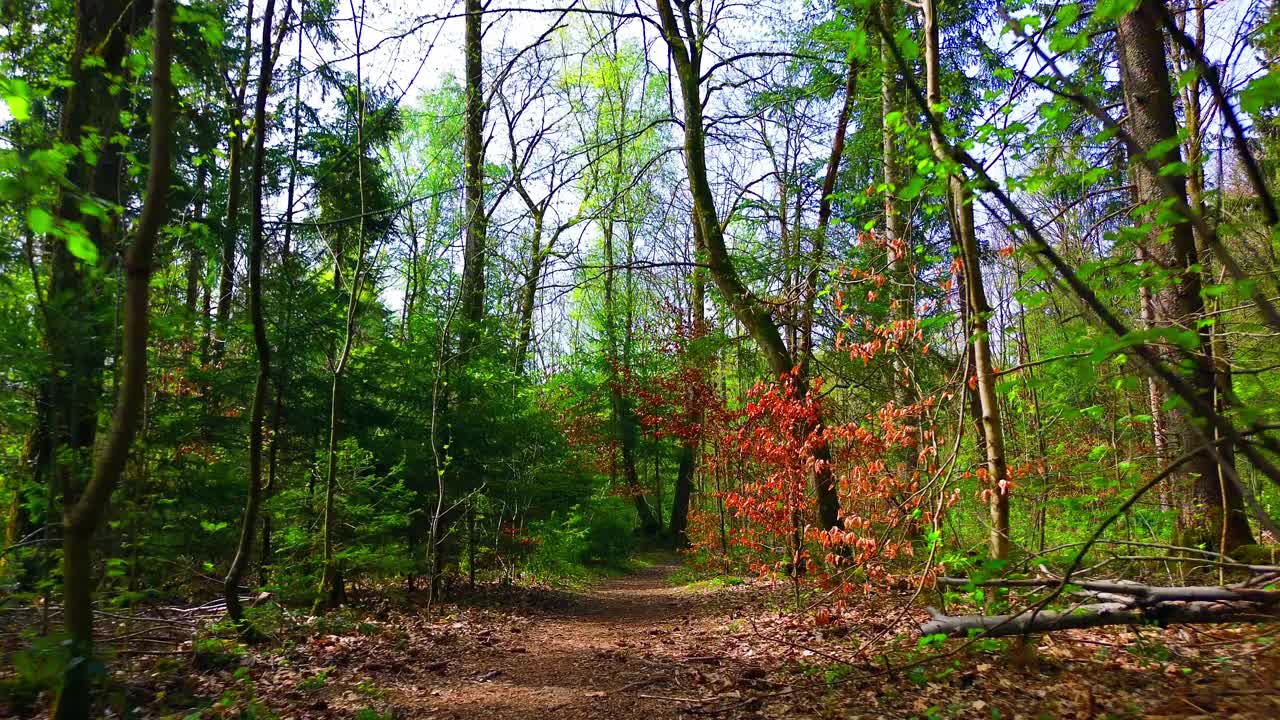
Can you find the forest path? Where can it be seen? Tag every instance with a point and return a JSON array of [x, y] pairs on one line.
[[595, 658]]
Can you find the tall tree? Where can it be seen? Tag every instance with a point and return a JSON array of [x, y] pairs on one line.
[[695, 414], [84, 514], [960, 211], [257, 240], [332, 590], [1144, 75], [474, 254], [239, 138], [685, 39]]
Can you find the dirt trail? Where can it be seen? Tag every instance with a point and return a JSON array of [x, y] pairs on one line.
[[595, 659]]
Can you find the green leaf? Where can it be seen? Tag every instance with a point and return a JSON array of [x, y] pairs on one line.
[[1261, 93], [19, 107], [913, 188], [17, 95], [907, 44], [1108, 10], [39, 220], [79, 245], [858, 43]]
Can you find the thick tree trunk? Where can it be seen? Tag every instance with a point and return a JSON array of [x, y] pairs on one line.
[[83, 516], [1144, 75], [960, 208], [257, 240], [688, 464], [78, 317], [474, 252]]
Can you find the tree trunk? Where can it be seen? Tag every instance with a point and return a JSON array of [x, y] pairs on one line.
[[623, 416], [688, 462], [898, 231], [529, 294], [960, 208], [230, 233], [686, 54], [684, 488], [474, 252], [236, 146], [257, 239], [1144, 74], [1097, 615], [82, 518], [77, 321], [195, 270]]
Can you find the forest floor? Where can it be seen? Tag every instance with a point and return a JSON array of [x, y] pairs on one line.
[[643, 647]]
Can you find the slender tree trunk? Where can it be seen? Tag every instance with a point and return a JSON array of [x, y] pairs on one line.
[[257, 240], [1155, 395], [236, 147], [1217, 505], [529, 294], [83, 516], [286, 250], [623, 416], [688, 462], [898, 231], [230, 234], [960, 202], [195, 270]]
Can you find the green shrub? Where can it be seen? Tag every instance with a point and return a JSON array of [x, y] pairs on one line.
[[600, 533]]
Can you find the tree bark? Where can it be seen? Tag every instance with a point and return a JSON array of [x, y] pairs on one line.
[[257, 240], [236, 146], [529, 293], [474, 252], [960, 209], [1098, 615], [77, 319], [82, 518], [686, 54], [688, 461], [1144, 76]]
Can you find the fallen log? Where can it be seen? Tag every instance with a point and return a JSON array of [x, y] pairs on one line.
[[1101, 614], [1146, 594]]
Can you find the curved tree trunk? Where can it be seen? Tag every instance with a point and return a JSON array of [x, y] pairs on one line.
[[82, 518], [240, 563], [686, 53]]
